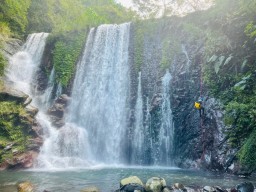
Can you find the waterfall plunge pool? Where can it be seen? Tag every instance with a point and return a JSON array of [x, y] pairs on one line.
[[107, 179]]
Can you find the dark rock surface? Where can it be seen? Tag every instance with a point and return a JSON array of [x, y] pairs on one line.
[[58, 109]]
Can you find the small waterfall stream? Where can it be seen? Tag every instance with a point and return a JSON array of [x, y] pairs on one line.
[[139, 131], [24, 64]]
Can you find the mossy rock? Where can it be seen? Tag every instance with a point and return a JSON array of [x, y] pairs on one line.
[[25, 187], [129, 180]]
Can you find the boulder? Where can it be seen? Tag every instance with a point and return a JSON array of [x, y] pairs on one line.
[[155, 184], [168, 189], [35, 144], [209, 189], [22, 160], [132, 187], [188, 189], [31, 110], [178, 186], [57, 111], [28, 101], [9, 94], [25, 187], [63, 99], [90, 189], [130, 180], [245, 187]]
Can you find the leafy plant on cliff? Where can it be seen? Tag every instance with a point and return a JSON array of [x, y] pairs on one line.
[[65, 54], [247, 154], [230, 74]]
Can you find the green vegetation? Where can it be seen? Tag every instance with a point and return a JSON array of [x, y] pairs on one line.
[[230, 75], [68, 22], [247, 155], [14, 14], [67, 49], [14, 128]]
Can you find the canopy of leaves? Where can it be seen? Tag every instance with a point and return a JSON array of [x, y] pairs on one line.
[[65, 15], [14, 13]]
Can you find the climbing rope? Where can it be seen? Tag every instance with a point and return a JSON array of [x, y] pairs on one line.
[[201, 119]]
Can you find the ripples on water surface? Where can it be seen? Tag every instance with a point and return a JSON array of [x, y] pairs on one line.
[[107, 179]]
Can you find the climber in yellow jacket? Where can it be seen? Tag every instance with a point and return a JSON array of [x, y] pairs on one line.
[[199, 105]]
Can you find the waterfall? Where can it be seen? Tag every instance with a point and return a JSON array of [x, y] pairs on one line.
[[167, 127], [95, 126], [138, 135], [24, 64], [46, 98], [187, 57], [162, 139], [100, 92]]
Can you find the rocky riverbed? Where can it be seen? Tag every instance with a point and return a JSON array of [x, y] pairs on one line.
[[153, 184]]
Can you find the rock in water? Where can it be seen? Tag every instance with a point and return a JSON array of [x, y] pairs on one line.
[[245, 187], [90, 189], [25, 187], [130, 180], [178, 186], [132, 188], [155, 184], [209, 189]]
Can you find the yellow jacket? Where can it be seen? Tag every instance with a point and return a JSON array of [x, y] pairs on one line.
[[197, 105]]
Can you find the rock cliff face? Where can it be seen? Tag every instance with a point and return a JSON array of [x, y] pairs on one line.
[[198, 142]]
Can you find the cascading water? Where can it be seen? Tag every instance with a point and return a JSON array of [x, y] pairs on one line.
[[153, 129], [167, 127], [162, 139], [138, 134], [96, 128], [100, 92], [24, 64], [96, 123]]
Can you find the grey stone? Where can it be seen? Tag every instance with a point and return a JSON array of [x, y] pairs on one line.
[[155, 184], [129, 180]]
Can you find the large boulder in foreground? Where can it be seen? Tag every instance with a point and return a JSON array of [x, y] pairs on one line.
[[130, 180], [25, 187], [155, 184], [245, 187]]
